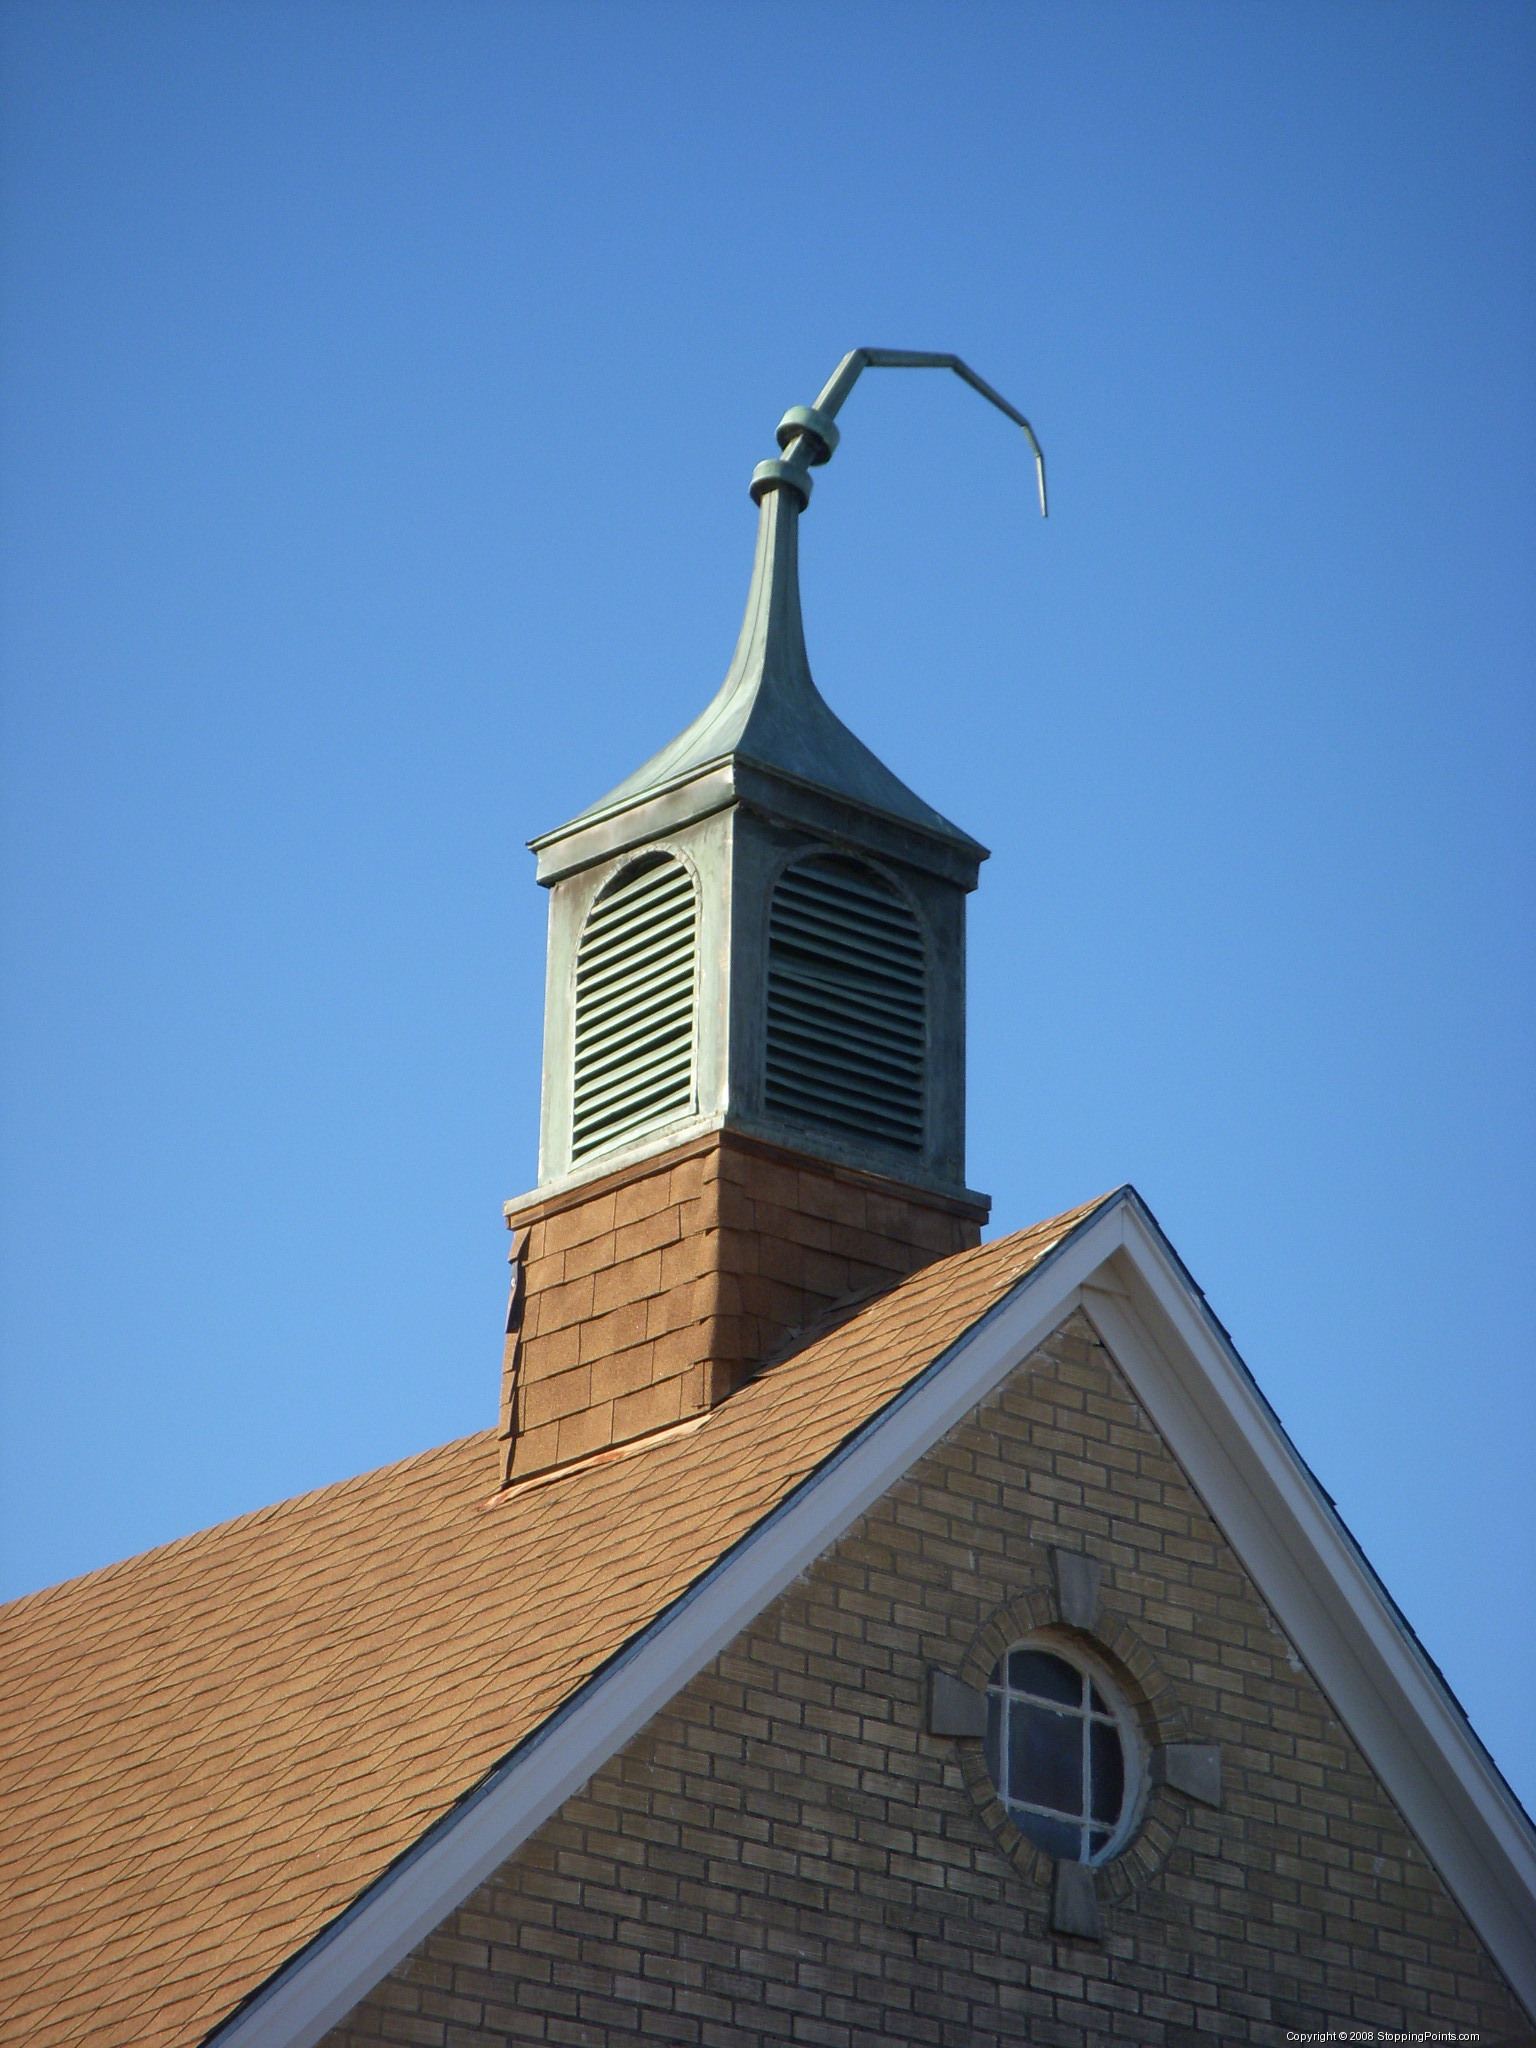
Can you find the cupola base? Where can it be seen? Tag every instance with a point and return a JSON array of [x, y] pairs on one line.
[[646, 1296]]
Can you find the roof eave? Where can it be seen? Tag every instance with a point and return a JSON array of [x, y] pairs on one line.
[[715, 785]]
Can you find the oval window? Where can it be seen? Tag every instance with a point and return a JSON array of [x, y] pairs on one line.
[[1061, 1750]]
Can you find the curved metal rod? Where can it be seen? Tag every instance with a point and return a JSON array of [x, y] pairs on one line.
[[847, 373]]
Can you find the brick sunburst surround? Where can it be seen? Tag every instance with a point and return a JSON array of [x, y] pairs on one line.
[[644, 1298]]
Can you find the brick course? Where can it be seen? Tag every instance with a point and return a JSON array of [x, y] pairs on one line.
[[648, 1295], [784, 1854]]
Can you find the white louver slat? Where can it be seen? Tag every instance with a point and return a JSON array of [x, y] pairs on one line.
[[634, 1006], [847, 1010]]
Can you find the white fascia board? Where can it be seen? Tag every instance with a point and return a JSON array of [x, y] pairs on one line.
[[327, 1979], [1196, 1390], [1290, 1538]]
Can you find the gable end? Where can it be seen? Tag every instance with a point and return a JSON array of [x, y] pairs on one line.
[[1181, 1367]]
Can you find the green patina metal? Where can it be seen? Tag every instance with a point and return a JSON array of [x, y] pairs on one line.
[[767, 776]]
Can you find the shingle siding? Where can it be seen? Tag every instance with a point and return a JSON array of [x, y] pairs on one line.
[[784, 1854], [649, 1295]]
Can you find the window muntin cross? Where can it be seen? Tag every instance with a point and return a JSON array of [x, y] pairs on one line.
[[1056, 1754]]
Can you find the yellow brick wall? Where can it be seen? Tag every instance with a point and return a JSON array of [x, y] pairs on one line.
[[785, 1854]]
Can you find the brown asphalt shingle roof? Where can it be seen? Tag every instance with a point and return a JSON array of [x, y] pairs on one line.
[[208, 1751]]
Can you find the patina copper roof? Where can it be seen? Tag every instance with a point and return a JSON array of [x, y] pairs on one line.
[[769, 715]]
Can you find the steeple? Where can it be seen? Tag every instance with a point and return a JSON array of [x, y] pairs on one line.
[[769, 715], [756, 977]]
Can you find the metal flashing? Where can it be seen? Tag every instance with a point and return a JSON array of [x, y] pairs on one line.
[[816, 1147]]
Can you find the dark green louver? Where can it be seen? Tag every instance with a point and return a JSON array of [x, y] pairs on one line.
[[847, 1021]]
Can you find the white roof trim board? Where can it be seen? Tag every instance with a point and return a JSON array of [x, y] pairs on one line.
[[1181, 1366]]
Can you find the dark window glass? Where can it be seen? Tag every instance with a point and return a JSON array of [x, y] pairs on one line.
[[1054, 1752], [1045, 1757], [1062, 1839], [1048, 1678], [1106, 1769]]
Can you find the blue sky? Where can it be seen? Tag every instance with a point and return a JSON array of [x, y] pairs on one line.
[[380, 387]]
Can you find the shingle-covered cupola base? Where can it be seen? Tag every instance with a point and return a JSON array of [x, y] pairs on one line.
[[754, 1045], [644, 1296]]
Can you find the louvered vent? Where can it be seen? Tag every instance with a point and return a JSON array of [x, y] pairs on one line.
[[634, 1006], [847, 1026]]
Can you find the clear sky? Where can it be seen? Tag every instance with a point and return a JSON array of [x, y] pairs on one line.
[[380, 388]]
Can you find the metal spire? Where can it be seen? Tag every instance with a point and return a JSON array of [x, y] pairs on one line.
[[768, 714], [807, 436]]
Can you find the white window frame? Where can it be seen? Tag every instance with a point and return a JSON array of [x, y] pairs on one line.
[[1117, 1715]]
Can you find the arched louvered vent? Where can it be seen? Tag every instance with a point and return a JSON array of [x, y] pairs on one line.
[[634, 1006], [847, 1023]]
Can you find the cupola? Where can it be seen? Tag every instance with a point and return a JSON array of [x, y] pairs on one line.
[[754, 1038]]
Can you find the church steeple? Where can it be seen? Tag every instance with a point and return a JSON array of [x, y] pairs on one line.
[[756, 946], [768, 712]]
